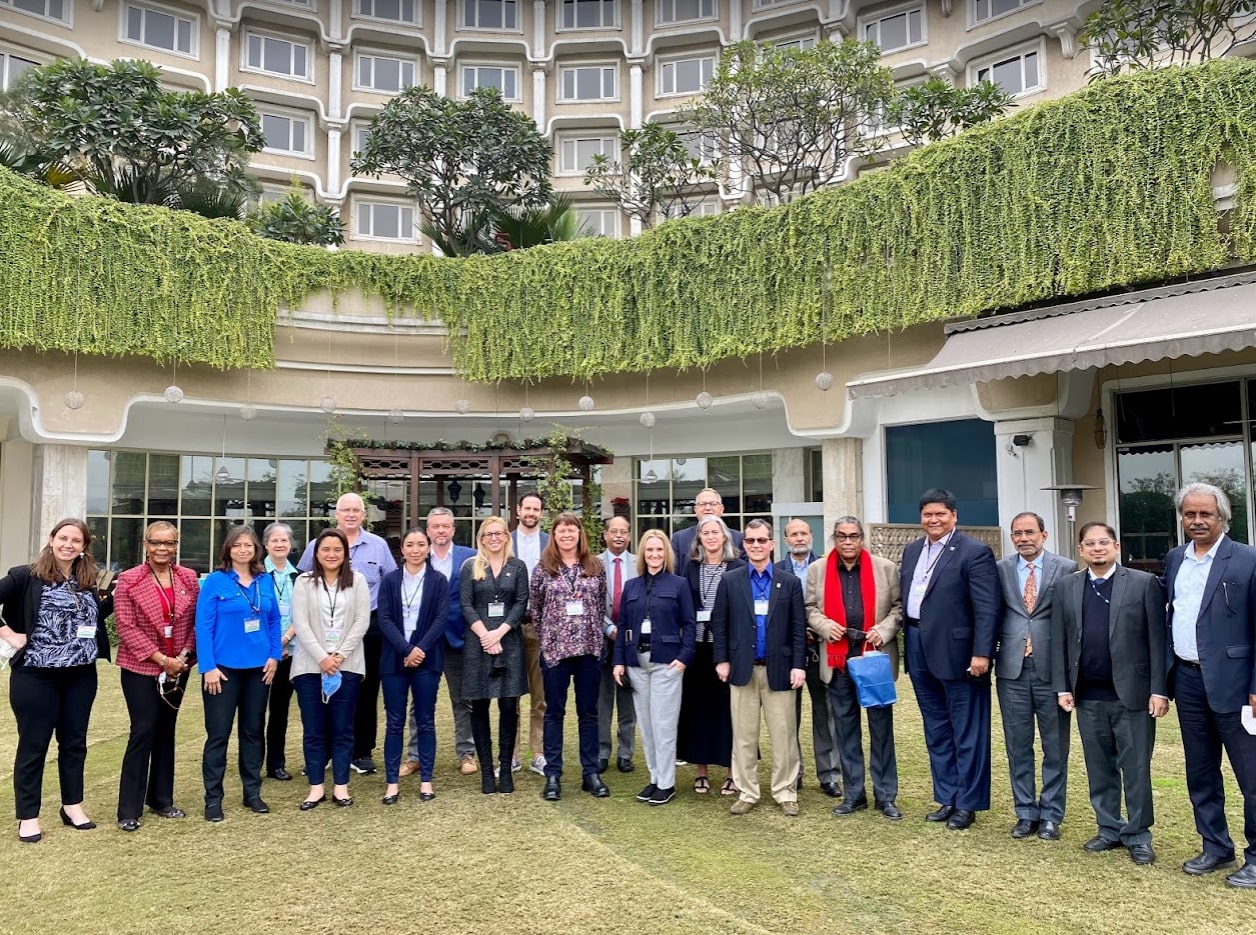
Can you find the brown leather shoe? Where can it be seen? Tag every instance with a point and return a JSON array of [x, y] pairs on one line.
[[467, 767], [408, 768]]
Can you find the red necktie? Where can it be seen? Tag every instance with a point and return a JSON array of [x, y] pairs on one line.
[[617, 591]]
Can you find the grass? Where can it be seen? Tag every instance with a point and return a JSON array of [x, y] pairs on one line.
[[467, 863]]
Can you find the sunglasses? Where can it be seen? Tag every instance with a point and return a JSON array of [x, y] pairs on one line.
[[748, 541]]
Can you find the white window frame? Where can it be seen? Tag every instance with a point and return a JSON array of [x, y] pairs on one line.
[[886, 129], [361, 201], [603, 67], [67, 7], [664, 64], [374, 54], [1037, 47], [707, 207], [861, 29], [463, 24], [801, 42], [605, 210], [708, 145], [357, 126], [661, 8], [263, 35], [311, 5], [294, 116], [561, 10], [974, 7], [416, 23], [610, 149], [769, 4], [500, 66], [192, 19], [7, 55]]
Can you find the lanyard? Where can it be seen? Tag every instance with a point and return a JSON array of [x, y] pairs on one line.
[[283, 585], [573, 579], [333, 597], [941, 548], [249, 593], [710, 582], [766, 589], [167, 604], [414, 595]]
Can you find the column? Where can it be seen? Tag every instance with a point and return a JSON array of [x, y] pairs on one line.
[[538, 97], [335, 84], [538, 29], [332, 186], [1043, 458], [439, 78], [788, 473], [59, 489], [222, 58], [637, 28], [438, 29], [636, 96], [841, 461]]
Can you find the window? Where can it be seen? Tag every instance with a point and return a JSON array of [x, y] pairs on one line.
[[278, 56], [382, 220], [48, 9], [384, 73], [11, 68], [681, 11], [799, 44], [989, 9], [686, 75], [490, 14], [760, 4], [959, 456], [598, 222], [665, 489], [577, 152], [588, 14], [896, 30], [286, 133], [703, 209], [1016, 74], [504, 79], [589, 83], [701, 146], [395, 11], [159, 29], [361, 130]]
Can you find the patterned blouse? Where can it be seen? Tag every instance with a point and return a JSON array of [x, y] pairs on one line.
[[55, 642], [564, 635], [708, 584]]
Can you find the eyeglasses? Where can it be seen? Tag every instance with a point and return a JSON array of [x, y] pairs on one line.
[[1100, 543], [847, 536], [493, 535], [748, 541], [163, 543], [708, 503], [349, 510]]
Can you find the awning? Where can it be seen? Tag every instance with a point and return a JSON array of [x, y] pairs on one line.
[[1158, 324]]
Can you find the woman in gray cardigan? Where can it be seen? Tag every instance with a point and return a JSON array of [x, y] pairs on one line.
[[331, 610]]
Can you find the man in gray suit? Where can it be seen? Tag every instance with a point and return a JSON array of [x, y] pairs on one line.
[[621, 566], [1108, 658], [1023, 680]]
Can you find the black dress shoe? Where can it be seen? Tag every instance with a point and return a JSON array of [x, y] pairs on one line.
[[1244, 878], [256, 805], [594, 786], [67, 820], [505, 781], [341, 803], [1204, 863], [1024, 828], [29, 838], [1142, 854], [390, 799], [644, 794], [603, 764], [849, 808], [129, 824], [889, 810], [1099, 843], [960, 819], [943, 813], [1049, 830], [214, 812], [426, 796], [831, 789], [281, 774], [169, 811], [624, 765], [309, 804], [553, 790]]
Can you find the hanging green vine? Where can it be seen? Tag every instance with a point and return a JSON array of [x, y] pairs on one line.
[[1104, 188]]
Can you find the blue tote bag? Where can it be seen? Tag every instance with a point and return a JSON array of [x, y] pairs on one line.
[[873, 678]]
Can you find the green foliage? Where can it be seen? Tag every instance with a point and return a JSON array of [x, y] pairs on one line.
[[1102, 189], [655, 174], [554, 474], [935, 110], [460, 159], [520, 227], [1135, 34], [296, 219]]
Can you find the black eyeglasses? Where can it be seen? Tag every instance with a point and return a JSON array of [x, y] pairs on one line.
[[163, 543], [847, 536], [748, 541]]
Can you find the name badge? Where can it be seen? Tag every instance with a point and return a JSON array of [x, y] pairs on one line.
[[285, 609], [761, 608], [331, 635], [252, 626], [86, 633], [575, 608], [918, 589], [167, 632], [645, 627], [497, 609], [704, 616]]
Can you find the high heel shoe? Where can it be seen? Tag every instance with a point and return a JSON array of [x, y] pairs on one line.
[[67, 820], [28, 838]]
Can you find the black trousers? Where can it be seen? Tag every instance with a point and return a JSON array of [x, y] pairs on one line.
[[148, 764], [366, 717], [44, 702], [244, 691], [507, 731], [277, 715]]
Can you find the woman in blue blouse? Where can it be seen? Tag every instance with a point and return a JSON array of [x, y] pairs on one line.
[[238, 634], [654, 644]]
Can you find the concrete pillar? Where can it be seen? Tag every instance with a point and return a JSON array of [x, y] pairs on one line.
[[841, 461], [58, 489], [538, 96], [1044, 458], [636, 96], [788, 475], [222, 58]]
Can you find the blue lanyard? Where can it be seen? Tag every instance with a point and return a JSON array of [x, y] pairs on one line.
[[766, 589], [248, 595]]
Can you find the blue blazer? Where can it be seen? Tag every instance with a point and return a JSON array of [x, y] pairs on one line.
[[430, 627], [733, 623], [1225, 631], [673, 624], [959, 615], [454, 624]]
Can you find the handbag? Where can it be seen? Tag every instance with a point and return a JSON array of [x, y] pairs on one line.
[[874, 679]]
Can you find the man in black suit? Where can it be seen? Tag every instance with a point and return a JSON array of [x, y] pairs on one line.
[[1212, 672], [708, 502], [760, 639], [950, 589], [1107, 660]]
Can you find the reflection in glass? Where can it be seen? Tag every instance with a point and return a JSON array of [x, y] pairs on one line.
[[291, 494], [194, 548], [1147, 482], [757, 483], [128, 482], [260, 474], [125, 548], [1220, 464], [229, 487], [97, 482], [322, 491], [198, 478], [163, 485]]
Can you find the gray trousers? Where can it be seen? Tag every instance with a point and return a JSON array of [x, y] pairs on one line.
[[611, 696], [1117, 744], [847, 714], [825, 732], [1022, 702], [464, 744], [657, 702]]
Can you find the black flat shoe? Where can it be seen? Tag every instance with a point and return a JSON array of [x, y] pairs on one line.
[[553, 791], [1099, 843], [129, 824], [1142, 854], [624, 765], [170, 812], [256, 805], [426, 796], [849, 808], [602, 765], [390, 799], [505, 781], [1244, 878], [67, 820], [943, 813], [342, 803], [309, 804], [645, 794], [280, 774], [831, 789]]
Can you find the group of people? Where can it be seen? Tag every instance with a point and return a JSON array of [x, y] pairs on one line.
[[691, 641]]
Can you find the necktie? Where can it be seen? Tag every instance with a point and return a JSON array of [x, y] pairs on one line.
[[617, 590], [1031, 590]]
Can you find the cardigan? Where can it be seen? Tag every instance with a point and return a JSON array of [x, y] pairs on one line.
[[20, 595], [429, 628], [308, 620], [140, 616]]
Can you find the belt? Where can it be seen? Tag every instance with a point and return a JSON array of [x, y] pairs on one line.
[[911, 621], [643, 647], [760, 662], [1190, 665]]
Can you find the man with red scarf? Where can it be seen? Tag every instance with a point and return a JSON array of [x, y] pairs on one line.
[[853, 602]]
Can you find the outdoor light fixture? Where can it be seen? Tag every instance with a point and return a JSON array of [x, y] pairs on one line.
[[173, 394], [1101, 430]]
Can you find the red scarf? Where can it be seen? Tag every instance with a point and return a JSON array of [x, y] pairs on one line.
[[834, 609]]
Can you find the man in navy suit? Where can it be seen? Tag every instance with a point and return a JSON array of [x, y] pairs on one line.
[[1211, 582], [708, 502], [950, 587]]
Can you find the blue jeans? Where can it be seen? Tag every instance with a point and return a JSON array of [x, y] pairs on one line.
[[587, 674], [422, 683], [331, 721]]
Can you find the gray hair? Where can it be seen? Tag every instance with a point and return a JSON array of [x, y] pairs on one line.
[[844, 521], [1206, 490], [759, 524], [440, 511], [696, 551], [272, 528]]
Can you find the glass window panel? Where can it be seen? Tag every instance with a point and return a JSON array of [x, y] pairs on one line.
[[1222, 465], [387, 74], [184, 43], [1031, 70], [756, 484], [724, 474], [194, 546], [260, 474], [128, 482], [229, 487], [322, 490], [163, 485], [99, 526], [298, 60], [125, 548], [959, 456], [98, 482], [197, 479], [1146, 483], [893, 32], [1200, 411], [134, 23], [292, 492], [159, 29]]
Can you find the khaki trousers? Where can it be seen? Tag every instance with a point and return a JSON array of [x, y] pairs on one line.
[[536, 690], [745, 703]]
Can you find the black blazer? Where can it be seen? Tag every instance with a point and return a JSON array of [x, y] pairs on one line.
[[1225, 631], [692, 572], [672, 626], [21, 594], [1135, 635], [732, 622], [429, 630]]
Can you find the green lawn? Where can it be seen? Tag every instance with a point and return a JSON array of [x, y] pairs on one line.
[[470, 863]]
